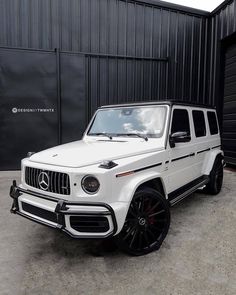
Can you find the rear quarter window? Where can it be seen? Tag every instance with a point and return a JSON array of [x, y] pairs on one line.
[[199, 123], [212, 122]]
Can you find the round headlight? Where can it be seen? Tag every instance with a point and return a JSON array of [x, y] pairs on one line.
[[90, 184]]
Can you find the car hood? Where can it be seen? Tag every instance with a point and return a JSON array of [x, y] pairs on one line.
[[83, 153]]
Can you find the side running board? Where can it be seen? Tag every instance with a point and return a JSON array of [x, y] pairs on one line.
[[186, 190]]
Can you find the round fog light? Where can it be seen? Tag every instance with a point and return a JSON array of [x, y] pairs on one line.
[[90, 184]]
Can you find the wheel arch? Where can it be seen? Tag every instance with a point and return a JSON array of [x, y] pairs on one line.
[[148, 178], [210, 160], [155, 183]]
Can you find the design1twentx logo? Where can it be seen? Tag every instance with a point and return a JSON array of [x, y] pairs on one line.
[[32, 110], [43, 181]]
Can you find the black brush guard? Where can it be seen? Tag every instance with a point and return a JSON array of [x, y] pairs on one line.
[[61, 210]]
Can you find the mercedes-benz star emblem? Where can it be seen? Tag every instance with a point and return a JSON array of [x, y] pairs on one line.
[[43, 181]]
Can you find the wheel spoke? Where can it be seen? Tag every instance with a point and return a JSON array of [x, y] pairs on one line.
[[156, 213], [131, 211], [136, 209], [141, 205], [130, 219], [153, 207], [133, 238], [129, 232]]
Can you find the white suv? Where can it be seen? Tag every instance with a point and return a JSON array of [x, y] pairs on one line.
[[134, 162]]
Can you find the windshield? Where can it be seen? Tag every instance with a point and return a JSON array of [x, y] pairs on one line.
[[148, 121]]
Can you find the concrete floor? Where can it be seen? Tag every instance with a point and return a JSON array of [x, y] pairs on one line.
[[197, 257]]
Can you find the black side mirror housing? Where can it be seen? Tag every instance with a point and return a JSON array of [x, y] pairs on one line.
[[180, 136]]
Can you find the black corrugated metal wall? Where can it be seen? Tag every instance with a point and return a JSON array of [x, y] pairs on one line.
[[133, 49], [127, 28], [221, 73], [222, 24]]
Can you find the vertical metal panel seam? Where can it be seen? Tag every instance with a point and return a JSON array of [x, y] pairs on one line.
[[183, 70], [167, 54], [175, 54], [205, 69], [199, 62], [191, 59]]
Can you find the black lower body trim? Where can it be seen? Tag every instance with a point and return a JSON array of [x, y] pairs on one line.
[[187, 189]]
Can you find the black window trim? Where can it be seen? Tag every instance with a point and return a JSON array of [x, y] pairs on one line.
[[205, 121], [180, 107], [217, 124]]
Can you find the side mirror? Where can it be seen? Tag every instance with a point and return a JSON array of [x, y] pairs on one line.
[[180, 136]]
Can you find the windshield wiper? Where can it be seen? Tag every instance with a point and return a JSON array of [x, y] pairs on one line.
[[133, 134], [101, 134]]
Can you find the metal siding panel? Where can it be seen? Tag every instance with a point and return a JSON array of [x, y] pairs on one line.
[[75, 25], [122, 27], [34, 25], [56, 24], [229, 110], [126, 28], [73, 97], [95, 26], [113, 27], [223, 24], [85, 26], [28, 81], [131, 36], [103, 10]]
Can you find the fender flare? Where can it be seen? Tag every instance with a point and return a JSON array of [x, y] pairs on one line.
[[210, 159], [129, 189]]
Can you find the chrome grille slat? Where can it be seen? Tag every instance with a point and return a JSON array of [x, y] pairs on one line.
[[34, 178], [58, 182]]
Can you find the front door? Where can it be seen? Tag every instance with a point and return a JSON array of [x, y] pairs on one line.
[[181, 157]]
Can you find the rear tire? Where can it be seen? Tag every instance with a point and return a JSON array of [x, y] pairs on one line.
[[216, 178], [147, 223]]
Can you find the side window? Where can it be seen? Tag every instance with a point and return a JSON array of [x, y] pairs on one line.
[[199, 123], [180, 121], [212, 122]]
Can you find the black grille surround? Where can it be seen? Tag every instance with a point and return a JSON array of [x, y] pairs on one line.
[[58, 182]]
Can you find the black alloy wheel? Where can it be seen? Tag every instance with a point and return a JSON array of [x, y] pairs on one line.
[[146, 224]]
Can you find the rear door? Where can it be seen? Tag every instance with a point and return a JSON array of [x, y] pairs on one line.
[[201, 139]]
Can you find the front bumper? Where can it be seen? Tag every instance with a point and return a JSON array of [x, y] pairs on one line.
[[77, 219]]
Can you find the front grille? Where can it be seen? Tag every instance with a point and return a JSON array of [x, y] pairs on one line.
[[45, 214], [50, 181]]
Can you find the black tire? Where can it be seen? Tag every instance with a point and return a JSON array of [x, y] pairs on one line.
[[216, 178], [147, 223]]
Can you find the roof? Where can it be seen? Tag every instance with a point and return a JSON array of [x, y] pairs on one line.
[[160, 102]]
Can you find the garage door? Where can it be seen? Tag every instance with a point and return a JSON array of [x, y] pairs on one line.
[[29, 116], [229, 111]]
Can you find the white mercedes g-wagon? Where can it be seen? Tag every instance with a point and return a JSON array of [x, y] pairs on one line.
[[134, 162]]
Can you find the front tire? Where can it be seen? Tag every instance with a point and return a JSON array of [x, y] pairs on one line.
[[147, 223], [216, 178]]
